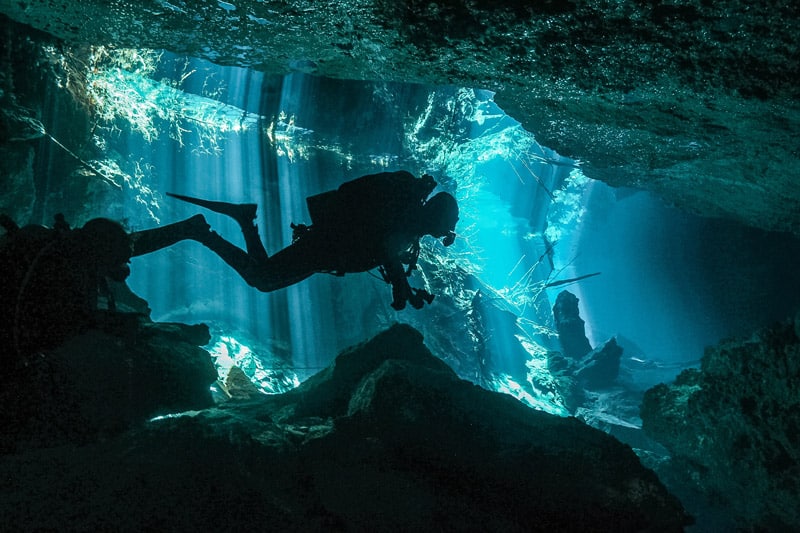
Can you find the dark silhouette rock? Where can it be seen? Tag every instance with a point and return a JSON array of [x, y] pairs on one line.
[[104, 381], [600, 367], [570, 326], [385, 438], [592, 369]]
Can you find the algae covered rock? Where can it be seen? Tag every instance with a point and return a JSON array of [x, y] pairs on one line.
[[733, 427], [663, 96]]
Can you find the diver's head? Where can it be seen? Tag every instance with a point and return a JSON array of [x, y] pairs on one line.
[[440, 215], [108, 246]]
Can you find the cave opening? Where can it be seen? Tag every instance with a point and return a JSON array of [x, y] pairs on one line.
[[543, 251], [662, 282]]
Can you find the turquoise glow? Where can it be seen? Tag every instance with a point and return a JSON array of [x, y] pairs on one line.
[[530, 223], [529, 217], [190, 127], [263, 366]]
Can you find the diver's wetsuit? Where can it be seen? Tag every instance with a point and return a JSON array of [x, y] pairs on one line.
[[370, 222], [53, 281]]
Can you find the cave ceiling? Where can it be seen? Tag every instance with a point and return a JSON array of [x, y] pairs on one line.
[[694, 100]]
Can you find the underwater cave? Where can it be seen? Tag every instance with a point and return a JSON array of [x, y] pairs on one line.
[[613, 341]]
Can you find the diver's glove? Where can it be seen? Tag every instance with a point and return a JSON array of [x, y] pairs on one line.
[[419, 297], [402, 293], [399, 296]]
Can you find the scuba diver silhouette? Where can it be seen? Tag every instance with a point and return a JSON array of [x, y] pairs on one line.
[[374, 221], [55, 281]]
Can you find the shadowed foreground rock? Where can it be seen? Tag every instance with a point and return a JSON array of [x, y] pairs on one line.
[[387, 437], [101, 382]]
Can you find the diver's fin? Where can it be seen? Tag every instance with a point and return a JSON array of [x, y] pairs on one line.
[[242, 213]]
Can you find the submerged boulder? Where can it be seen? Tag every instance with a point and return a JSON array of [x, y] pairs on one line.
[[733, 427], [600, 367], [386, 437], [103, 381], [580, 368]]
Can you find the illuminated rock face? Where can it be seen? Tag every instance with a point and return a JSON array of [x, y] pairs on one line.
[[386, 438], [696, 102]]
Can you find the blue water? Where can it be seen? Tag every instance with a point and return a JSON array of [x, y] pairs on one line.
[[668, 283], [671, 283]]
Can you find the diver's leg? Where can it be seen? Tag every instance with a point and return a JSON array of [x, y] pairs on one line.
[[252, 240], [289, 266], [294, 263], [285, 268], [243, 214], [151, 240], [197, 229], [250, 269]]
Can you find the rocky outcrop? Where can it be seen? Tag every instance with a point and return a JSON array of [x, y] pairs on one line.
[[104, 381], [697, 101], [600, 367], [733, 427], [387, 437], [579, 365], [570, 326]]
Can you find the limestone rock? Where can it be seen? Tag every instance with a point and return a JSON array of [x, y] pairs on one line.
[[570, 326], [104, 381], [600, 367], [733, 427], [579, 365], [238, 386]]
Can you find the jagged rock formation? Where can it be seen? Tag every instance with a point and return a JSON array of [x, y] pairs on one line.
[[733, 427], [570, 326], [600, 367], [590, 368], [387, 437], [697, 101]]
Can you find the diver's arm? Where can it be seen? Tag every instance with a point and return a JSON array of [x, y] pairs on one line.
[[410, 257], [394, 272]]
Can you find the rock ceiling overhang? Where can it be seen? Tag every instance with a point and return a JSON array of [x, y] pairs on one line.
[[697, 102]]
